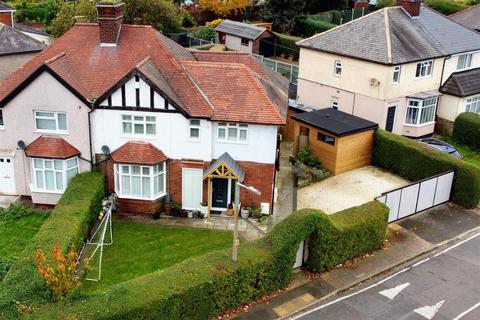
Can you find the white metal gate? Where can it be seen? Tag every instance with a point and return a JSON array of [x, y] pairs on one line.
[[418, 196]]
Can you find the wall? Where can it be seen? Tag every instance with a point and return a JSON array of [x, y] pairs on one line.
[[235, 43], [451, 64], [43, 94], [449, 107], [10, 63]]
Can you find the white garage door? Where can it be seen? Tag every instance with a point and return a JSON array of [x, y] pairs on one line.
[[192, 180], [7, 179]]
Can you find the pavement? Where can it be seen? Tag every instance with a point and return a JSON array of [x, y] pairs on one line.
[[407, 239], [7, 200], [284, 202]]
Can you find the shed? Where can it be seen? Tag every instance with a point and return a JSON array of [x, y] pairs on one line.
[[342, 141], [246, 37]]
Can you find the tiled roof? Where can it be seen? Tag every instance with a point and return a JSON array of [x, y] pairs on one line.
[[13, 41], [137, 152], [469, 17], [5, 7], [227, 160], [391, 36], [28, 29], [51, 147], [235, 91], [240, 29], [463, 84]]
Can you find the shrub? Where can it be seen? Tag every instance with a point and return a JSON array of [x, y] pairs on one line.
[[415, 161], [68, 224], [4, 266], [205, 33], [466, 129], [307, 175], [306, 156], [186, 19], [286, 45], [214, 23], [15, 212]]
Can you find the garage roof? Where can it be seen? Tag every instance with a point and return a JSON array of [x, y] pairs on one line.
[[335, 122]]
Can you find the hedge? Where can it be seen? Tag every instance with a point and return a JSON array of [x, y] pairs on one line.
[[466, 129], [312, 25], [415, 161], [68, 224], [287, 45], [203, 287]]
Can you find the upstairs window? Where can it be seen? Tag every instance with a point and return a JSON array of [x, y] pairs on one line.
[[232, 132], [245, 42], [396, 75], [424, 69], [1, 119], [464, 61], [473, 104], [421, 112], [194, 129], [139, 125], [50, 121], [338, 68], [335, 104]]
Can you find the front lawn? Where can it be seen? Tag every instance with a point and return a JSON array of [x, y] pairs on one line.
[[469, 155], [139, 249]]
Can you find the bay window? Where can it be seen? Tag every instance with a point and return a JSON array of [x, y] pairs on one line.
[[424, 69], [232, 132], [50, 121], [53, 175], [473, 104], [140, 181], [421, 112], [139, 125]]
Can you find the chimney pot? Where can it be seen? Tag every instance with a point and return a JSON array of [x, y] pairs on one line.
[[110, 18], [411, 6]]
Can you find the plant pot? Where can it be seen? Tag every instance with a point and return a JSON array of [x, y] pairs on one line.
[[156, 216], [230, 212], [190, 214], [244, 213]]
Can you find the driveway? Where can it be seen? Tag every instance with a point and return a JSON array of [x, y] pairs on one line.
[[348, 189]]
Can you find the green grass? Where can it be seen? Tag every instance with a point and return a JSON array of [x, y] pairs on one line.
[[15, 235], [469, 155], [139, 249]]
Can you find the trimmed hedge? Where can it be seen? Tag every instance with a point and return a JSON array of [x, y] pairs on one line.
[[415, 161], [203, 287], [68, 224], [287, 46], [466, 129]]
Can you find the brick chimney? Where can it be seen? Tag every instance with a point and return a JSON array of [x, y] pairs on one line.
[[411, 6], [6, 14], [110, 18]]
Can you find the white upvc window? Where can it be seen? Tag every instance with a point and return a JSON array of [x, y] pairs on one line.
[[140, 126], [232, 132], [139, 181], [194, 129], [334, 104], [421, 112], [53, 175], [473, 104], [51, 121], [396, 75], [464, 61], [337, 70], [2, 124], [424, 69]]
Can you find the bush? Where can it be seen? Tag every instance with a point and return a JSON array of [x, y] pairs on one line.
[[306, 156], [4, 266], [466, 129], [310, 26], [15, 212], [286, 45], [186, 19], [68, 224], [205, 33], [415, 161]]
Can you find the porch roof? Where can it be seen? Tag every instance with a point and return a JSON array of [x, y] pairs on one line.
[[138, 152], [233, 169]]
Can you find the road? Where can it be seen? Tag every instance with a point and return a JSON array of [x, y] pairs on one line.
[[442, 285]]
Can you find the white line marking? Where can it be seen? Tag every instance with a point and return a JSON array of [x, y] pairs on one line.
[[429, 311], [466, 311], [379, 282], [420, 262], [393, 292]]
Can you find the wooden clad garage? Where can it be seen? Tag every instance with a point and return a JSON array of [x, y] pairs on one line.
[[342, 141]]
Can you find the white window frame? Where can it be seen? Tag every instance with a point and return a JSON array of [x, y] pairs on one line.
[[2, 120], [337, 68], [426, 65], [118, 167], [334, 104], [194, 127], [133, 121], [241, 127], [472, 104], [420, 109], [43, 169], [467, 62], [54, 118], [397, 71]]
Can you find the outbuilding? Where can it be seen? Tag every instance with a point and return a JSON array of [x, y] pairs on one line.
[[341, 141]]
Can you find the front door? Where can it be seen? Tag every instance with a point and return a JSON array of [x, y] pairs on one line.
[[7, 180], [219, 193], [192, 184], [389, 125]]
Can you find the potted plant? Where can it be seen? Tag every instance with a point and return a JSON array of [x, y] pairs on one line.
[[244, 213], [176, 208], [230, 211], [156, 215], [190, 214]]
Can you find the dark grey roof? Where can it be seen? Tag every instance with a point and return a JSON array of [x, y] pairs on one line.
[[232, 164], [469, 17], [25, 28], [391, 36], [240, 29], [5, 7], [335, 122], [13, 41], [462, 84], [425, 94]]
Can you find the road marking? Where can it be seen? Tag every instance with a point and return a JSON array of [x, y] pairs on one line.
[[298, 316], [429, 311], [466, 311], [393, 292]]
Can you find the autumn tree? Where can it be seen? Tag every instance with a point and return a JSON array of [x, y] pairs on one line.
[[224, 7]]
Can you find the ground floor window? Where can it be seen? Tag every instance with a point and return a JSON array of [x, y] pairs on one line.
[[53, 175], [421, 111], [473, 104], [139, 181]]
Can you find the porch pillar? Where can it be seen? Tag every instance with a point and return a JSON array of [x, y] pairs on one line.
[[209, 197]]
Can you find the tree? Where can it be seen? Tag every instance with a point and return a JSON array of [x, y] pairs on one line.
[[64, 18], [224, 7], [316, 6], [161, 14], [284, 13]]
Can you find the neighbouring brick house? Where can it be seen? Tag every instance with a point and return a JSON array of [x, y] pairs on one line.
[[149, 113]]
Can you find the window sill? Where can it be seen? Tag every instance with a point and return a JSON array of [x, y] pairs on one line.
[[419, 125], [46, 191], [138, 137], [232, 142], [337, 75], [194, 140], [142, 199], [65, 133], [422, 78]]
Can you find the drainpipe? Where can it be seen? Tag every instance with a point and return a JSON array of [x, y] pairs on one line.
[[90, 137], [443, 69]]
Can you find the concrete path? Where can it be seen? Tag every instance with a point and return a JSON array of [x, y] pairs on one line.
[[285, 202], [407, 239], [6, 200]]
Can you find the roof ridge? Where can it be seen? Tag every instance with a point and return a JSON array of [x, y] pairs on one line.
[[143, 62], [216, 64], [55, 58]]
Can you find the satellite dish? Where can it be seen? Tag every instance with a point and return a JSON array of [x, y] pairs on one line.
[[21, 145], [105, 150]]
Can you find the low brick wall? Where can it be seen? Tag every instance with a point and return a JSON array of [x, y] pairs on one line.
[[443, 126]]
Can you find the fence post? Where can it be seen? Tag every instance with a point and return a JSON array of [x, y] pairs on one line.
[[291, 73], [276, 66], [353, 14]]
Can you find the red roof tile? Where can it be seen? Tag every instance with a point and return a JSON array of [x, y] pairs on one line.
[[137, 152], [51, 147]]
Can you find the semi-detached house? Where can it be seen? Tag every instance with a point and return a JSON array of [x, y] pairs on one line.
[[152, 115], [389, 67]]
